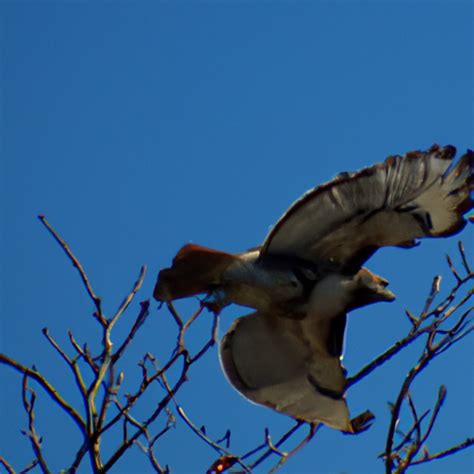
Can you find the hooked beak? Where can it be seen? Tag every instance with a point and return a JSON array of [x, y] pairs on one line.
[[379, 289], [371, 288], [383, 294]]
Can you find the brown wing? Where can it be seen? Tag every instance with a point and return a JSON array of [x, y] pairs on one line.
[[269, 361], [389, 204]]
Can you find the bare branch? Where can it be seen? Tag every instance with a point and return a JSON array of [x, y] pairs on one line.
[[408, 437], [462, 252], [161, 406], [30, 466], [313, 427], [6, 465], [140, 319], [152, 457], [271, 446], [435, 287], [129, 297], [447, 452], [453, 269], [419, 325], [225, 438], [85, 280], [286, 436], [439, 403], [175, 315], [437, 342], [50, 390], [71, 364], [416, 419], [29, 399], [217, 447]]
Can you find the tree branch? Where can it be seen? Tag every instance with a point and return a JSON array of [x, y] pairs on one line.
[[50, 390], [29, 406], [85, 280]]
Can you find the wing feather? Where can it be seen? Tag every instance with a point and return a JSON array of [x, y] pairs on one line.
[[389, 204], [268, 360]]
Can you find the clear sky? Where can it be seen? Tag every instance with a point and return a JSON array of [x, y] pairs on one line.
[[136, 127]]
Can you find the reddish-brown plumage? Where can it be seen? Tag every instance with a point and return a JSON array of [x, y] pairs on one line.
[[195, 269]]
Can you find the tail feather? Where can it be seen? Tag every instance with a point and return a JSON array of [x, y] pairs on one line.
[[195, 270]]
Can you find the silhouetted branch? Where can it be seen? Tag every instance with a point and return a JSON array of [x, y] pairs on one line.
[[438, 340], [426, 322], [29, 400], [442, 454], [51, 391], [85, 279], [129, 298], [30, 466], [140, 319], [6, 465], [71, 363]]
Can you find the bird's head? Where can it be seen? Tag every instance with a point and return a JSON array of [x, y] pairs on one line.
[[369, 288]]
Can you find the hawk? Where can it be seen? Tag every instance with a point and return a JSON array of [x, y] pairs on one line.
[[308, 274]]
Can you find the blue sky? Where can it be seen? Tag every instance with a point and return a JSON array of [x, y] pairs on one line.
[[138, 127]]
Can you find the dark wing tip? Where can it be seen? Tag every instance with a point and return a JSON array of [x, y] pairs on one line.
[[446, 152]]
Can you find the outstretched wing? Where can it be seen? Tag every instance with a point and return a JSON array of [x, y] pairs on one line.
[[421, 194], [271, 362]]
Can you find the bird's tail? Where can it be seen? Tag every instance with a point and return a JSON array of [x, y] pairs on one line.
[[195, 270]]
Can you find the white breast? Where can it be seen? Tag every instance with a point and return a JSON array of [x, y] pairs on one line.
[[329, 297], [328, 300]]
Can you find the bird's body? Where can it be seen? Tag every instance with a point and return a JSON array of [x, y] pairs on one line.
[[308, 275]]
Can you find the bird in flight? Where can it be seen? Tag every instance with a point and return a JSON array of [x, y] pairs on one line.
[[308, 274]]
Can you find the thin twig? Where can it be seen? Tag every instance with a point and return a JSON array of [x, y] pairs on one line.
[[72, 364], [416, 419], [439, 403], [313, 428], [7, 465], [286, 436], [447, 452], [50, 390], [407, 438], [85, 280], [462, 252], [161, 406], [453, 269], [438, 341], [30, 466], [271, 446], [217, 447], [140, 319], [417, 331], [29, 399], [435, 287], [129, 298]]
